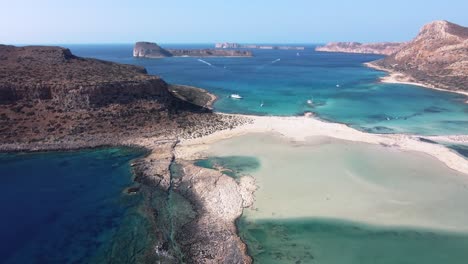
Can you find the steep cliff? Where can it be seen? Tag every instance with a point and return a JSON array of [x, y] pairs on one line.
[[437, 57], [153, 50], [383, 48]]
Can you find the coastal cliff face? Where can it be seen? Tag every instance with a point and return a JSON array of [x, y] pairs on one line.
[[153, 50], [383, 48], [437, 57]]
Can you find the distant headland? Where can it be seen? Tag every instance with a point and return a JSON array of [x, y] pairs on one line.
[[383, 48], [152, 50], [227, 45], [437, 58]]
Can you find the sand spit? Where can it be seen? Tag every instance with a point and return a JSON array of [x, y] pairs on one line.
[[300, 128], [401, 78]]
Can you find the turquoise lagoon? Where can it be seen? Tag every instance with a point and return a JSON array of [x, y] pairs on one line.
[[342, 89], [332, 201], [320, 201]]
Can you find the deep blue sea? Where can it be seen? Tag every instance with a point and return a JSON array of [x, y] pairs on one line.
[[279, 82], [68, 207]]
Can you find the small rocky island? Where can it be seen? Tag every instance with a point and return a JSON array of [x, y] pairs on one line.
[[382, 48], [437, 58], [153, 50], [51, 99]]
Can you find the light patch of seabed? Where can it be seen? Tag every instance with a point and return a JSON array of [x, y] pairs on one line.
[[332, 201]]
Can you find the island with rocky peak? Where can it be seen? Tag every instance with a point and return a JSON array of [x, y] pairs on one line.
[[436, 58], [383, 48], [152, 50]]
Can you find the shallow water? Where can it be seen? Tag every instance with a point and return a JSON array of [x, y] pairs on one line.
[[71, 207], [371, 203], [285, 85], [234, 166], [336, 242]]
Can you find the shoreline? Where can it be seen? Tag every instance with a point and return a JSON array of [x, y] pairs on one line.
[[300, 128], [401, 78], [218, 199]]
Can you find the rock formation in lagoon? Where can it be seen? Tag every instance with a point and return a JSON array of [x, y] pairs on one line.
[[53, 100], [383, 48], [153, 50], [437, 58]]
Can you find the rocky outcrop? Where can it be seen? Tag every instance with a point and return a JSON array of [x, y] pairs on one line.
[[382, 48], [437, 57], [145, 49], [153, 50], [55, 74], [218, 201]]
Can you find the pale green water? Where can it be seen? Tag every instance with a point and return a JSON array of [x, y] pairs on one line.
[[386, 205]]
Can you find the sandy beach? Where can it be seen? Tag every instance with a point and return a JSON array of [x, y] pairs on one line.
[[300, 128], [401, 78]]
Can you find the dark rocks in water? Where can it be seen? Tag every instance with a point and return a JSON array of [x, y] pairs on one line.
[[461, 149], [152, 50], [435, 109], [427, 140], [380, 129]]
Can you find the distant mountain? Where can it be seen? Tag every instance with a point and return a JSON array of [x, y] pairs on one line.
[[153, 50], [383, 48], [437, 57]]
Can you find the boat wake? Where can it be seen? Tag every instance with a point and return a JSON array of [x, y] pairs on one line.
[[205, 62], [275, 61]]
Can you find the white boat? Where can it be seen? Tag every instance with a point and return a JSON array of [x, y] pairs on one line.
[[236, 96], [310, 101], [338, 85], [261, 105]]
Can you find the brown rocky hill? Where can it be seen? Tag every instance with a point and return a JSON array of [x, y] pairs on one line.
[[49, 95], [54, 73], [383, 48], [437, 57]]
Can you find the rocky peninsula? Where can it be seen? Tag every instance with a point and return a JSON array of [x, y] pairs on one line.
[[53, 100], [382, 48], [436, 58], [153, 50]]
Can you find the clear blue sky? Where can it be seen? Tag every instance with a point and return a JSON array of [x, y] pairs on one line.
[[206, 21]]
